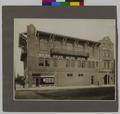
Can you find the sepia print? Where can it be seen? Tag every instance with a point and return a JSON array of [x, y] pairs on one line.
[[64, 59]]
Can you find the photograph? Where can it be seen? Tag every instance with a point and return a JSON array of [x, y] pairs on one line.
[[64, 59]]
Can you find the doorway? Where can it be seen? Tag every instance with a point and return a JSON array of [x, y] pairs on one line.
[[92, 79], [37, 82], [106, 79]]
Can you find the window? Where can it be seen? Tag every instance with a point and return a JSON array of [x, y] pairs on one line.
[[43, 44], [93, 64], [92, 79], [57, 44], [72, 63], [44, 62], [107, 64], [79, 64], [89, 64], [109, 54], [104, 53], [83, 64], [96, 64], [48, 80], [47, 62], [104, 64], [80, 74], [55, 63], [93, 51], [41, 62], [69, 75], [67, 63]]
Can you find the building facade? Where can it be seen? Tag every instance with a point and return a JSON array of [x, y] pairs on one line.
[[57, 60]]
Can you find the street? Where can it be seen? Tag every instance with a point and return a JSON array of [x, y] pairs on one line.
[[101, 93]]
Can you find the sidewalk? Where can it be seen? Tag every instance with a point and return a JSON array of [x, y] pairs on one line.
[[63, 88]]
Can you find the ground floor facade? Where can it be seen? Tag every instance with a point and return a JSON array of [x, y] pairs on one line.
[[61, 79]]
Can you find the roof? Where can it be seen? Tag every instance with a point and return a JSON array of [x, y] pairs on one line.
[[24, 36], [106, 40], [69, 37]]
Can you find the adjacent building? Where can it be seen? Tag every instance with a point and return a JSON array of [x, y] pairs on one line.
[[57, 60]]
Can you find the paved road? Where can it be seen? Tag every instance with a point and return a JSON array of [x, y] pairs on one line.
[[100, 93], [64, 88]]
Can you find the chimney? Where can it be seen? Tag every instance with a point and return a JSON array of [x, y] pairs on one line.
[[31, 30]]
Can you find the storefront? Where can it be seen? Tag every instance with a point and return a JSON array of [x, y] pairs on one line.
[[44, 79]]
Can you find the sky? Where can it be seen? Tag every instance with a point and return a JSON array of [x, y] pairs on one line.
[[90, 29]]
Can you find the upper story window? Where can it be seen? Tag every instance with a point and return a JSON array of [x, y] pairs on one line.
[[72, 63], [107, 53], [83, 64], [43, 44], [93, 51], [67, 63], [96, 63], [93, 64], [89, 64], [79, 64], [47, 62], [44, 62], [58, 44], [55, 64], [107, 64], [69, 45], [41, 61]]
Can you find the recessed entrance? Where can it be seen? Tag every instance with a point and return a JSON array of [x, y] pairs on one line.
[[106, 79]]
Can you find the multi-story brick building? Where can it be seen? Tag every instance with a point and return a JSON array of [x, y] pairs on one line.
[[52, 59]]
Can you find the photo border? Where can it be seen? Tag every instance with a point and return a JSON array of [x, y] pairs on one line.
[[87, 12]]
